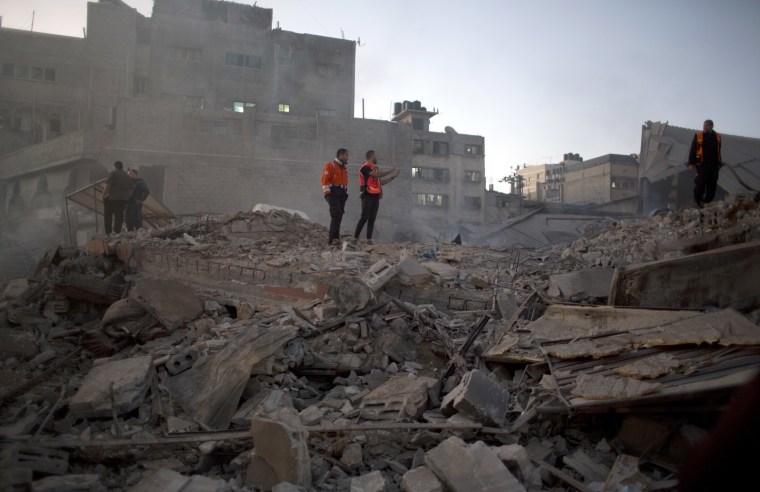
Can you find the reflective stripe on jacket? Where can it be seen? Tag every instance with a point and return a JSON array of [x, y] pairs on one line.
[[372, 186], [334, 176], [699, 153]]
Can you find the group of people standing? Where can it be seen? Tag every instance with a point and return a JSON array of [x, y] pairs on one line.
[[335, 190], [123, 197]]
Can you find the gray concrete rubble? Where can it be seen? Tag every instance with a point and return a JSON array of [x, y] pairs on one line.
[[238, 353]]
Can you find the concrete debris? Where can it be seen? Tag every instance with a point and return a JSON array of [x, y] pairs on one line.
[[114, 387], [238, 353]]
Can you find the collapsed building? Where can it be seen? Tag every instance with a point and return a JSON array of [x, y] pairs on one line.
[[233, 354]]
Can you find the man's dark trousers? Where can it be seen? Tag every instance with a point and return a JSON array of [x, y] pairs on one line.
[[134, 215], [337, 201], [113, 213], [706, 183], [370, 206]]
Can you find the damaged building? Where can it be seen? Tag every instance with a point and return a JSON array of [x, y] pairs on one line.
[[235, 355], [218, 110]]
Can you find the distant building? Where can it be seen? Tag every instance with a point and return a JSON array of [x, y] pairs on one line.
[[218, 111]]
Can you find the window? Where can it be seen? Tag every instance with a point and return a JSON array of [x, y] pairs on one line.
[[140, 85], [472, 176], [440, 148], [286, 52], [329, 70], [418, 123], [430, 174], [54, 123], [431, 200], [472, 202], [325, 112], [243, 60], [470, 149], [283, 108], [189, 54], [239, 106], [418, 146], [22, 72], [26, 72]]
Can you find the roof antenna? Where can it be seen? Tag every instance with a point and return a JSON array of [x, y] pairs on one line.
[[343, 36]]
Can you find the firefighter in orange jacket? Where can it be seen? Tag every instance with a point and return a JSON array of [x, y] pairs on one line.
[[704, 156], [371, 187], [335, 190]]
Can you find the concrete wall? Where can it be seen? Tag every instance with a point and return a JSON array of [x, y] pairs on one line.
[[590, 185]]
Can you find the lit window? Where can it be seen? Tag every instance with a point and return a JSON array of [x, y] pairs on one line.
[[470, 149], [283, 108], [239, 106]]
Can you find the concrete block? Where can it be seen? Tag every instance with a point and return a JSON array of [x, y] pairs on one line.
[[410, 272], [182, 361], [39, 460], [351, 457], [69, 483], [421, 479], [20, 344], [517, 456], [463, 469], [400, 397], [130, 380], [15, 288], [169, 301], [591, 283], [260, 475], [282, 445], [478, 397], [443, 271], [370, 482], [379, 274]]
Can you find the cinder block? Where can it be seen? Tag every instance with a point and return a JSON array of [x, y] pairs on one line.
[[182, 361]]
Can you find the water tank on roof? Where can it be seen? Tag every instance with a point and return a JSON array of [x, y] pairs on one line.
[[396, 108], [417, 105], [408, 105]]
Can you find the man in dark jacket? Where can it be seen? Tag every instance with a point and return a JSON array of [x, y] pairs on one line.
[[704, 157], [140, 193], [117, 191]]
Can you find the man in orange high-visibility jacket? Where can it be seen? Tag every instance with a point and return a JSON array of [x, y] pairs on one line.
[[335, 190], [704, 156], [370, 185]]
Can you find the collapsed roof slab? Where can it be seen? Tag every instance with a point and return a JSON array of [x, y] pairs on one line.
[[723, 277]]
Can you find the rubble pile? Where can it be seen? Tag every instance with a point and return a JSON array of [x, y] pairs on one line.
[[241, 354]]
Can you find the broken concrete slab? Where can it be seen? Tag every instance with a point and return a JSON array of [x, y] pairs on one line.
[[398, 398], [282, 445], [421, 479], [410, 272], [598, 387], [625, 475], [37, 459], [167, 480], [591, 470], [351, 457], [478, 397], [585, 283], [210, 391], [595, 348], [128, 380], [369, 482], [649, 367], [442, 272], [17, 343], [463, 469], [69, 483], [517, 456], [14, 288], [169, 301], [723, 277]]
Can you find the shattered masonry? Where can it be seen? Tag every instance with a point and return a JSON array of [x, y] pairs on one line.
[[234, 354]]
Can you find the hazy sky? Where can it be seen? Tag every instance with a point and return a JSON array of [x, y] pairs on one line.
[[536, 78]]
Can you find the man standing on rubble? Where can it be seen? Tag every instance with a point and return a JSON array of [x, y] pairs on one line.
[[117, 191], [335, 190], [704, 156], [139, 194], [370, 187]]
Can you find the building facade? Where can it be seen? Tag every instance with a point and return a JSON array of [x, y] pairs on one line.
[[218, 111]]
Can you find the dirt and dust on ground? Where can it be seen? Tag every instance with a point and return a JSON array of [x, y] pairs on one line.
[[240, 353]]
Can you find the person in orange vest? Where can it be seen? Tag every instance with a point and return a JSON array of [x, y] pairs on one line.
[[335, 190], [371, 186], [704, 157]]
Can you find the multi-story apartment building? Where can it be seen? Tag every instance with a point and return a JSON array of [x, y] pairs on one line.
[[218, 111]]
